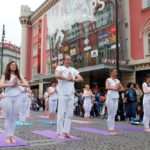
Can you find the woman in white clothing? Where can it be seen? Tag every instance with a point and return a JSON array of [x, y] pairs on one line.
[[29, 100], [11, 82], [88, 101], [53, 99], [146, 103], [46, 102], [113, 87]]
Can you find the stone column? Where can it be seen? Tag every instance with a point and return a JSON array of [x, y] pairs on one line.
[[25, 22]]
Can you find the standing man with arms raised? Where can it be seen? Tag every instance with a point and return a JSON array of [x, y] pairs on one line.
[[66, 76]]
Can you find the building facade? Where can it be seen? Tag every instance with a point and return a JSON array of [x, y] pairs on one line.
[[139, 34], [11, 52], [91, 44]]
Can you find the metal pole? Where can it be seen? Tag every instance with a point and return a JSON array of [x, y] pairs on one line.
[[117, 38], [2, 48]]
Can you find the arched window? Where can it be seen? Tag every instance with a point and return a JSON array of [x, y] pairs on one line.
[[148, 42]]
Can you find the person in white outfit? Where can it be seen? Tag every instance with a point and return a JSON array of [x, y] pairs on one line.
[[53, 99], [23, 101], [46, 102], [11, 82], [29, 100], [88, 101], [146, 104], [25, 104], [113, 87], [66, 76]]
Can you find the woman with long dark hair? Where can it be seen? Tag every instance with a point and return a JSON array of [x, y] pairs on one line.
[[11, 82]]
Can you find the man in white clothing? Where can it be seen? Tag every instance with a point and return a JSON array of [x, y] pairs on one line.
[[66, 76]]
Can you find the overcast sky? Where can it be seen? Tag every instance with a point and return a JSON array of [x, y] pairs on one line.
[[9, 15]]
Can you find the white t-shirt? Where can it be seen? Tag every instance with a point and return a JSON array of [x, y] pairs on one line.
[[112, 83], [53, 96], [66, 87], [146, 89]]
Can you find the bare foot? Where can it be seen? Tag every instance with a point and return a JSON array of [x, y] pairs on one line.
[[147, 130], [13, 139], [68, 136], [112, 132], [8, 140]]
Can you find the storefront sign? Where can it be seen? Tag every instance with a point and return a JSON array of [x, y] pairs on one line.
[[103, 35], [94, 53]]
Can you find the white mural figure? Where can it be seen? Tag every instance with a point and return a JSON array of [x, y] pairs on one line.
[[66, 13], [59, 39]]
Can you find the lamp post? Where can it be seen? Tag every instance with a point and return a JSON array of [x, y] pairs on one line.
[[117, 37], [2, 47]]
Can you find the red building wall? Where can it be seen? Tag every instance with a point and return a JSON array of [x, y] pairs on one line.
[[138, 18]]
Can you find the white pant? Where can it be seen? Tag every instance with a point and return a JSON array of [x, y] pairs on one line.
[[11, 111], [52, 106], [112, 107], [28, 106], [23, 107], [87, 107], [65, 113], [146, 108]]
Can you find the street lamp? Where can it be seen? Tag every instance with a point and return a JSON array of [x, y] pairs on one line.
[[2, 47], [117, 37]]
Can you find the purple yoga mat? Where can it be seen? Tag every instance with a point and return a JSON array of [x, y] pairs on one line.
[[53, 135], [129, 128], [19, 142], [93, 130]]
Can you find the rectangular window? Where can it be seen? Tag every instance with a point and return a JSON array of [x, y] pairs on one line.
[[146, 3]]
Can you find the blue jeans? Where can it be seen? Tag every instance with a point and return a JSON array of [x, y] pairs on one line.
[[131, 111]]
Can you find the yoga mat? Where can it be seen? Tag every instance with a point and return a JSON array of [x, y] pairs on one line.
[[19, 142], [129, 128], [93, 130], [20, 123], [43, 117], [47, 122], [53, 135], [82, 122]]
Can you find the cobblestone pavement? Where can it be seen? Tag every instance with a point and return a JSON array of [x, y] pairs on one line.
[[133, 140]]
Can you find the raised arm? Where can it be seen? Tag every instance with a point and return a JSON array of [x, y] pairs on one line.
[[79, 78], [58, 74], [3, 84], [23, 82], [121, 88]]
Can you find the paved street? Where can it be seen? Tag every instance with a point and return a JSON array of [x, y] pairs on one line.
[[132, 139]]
